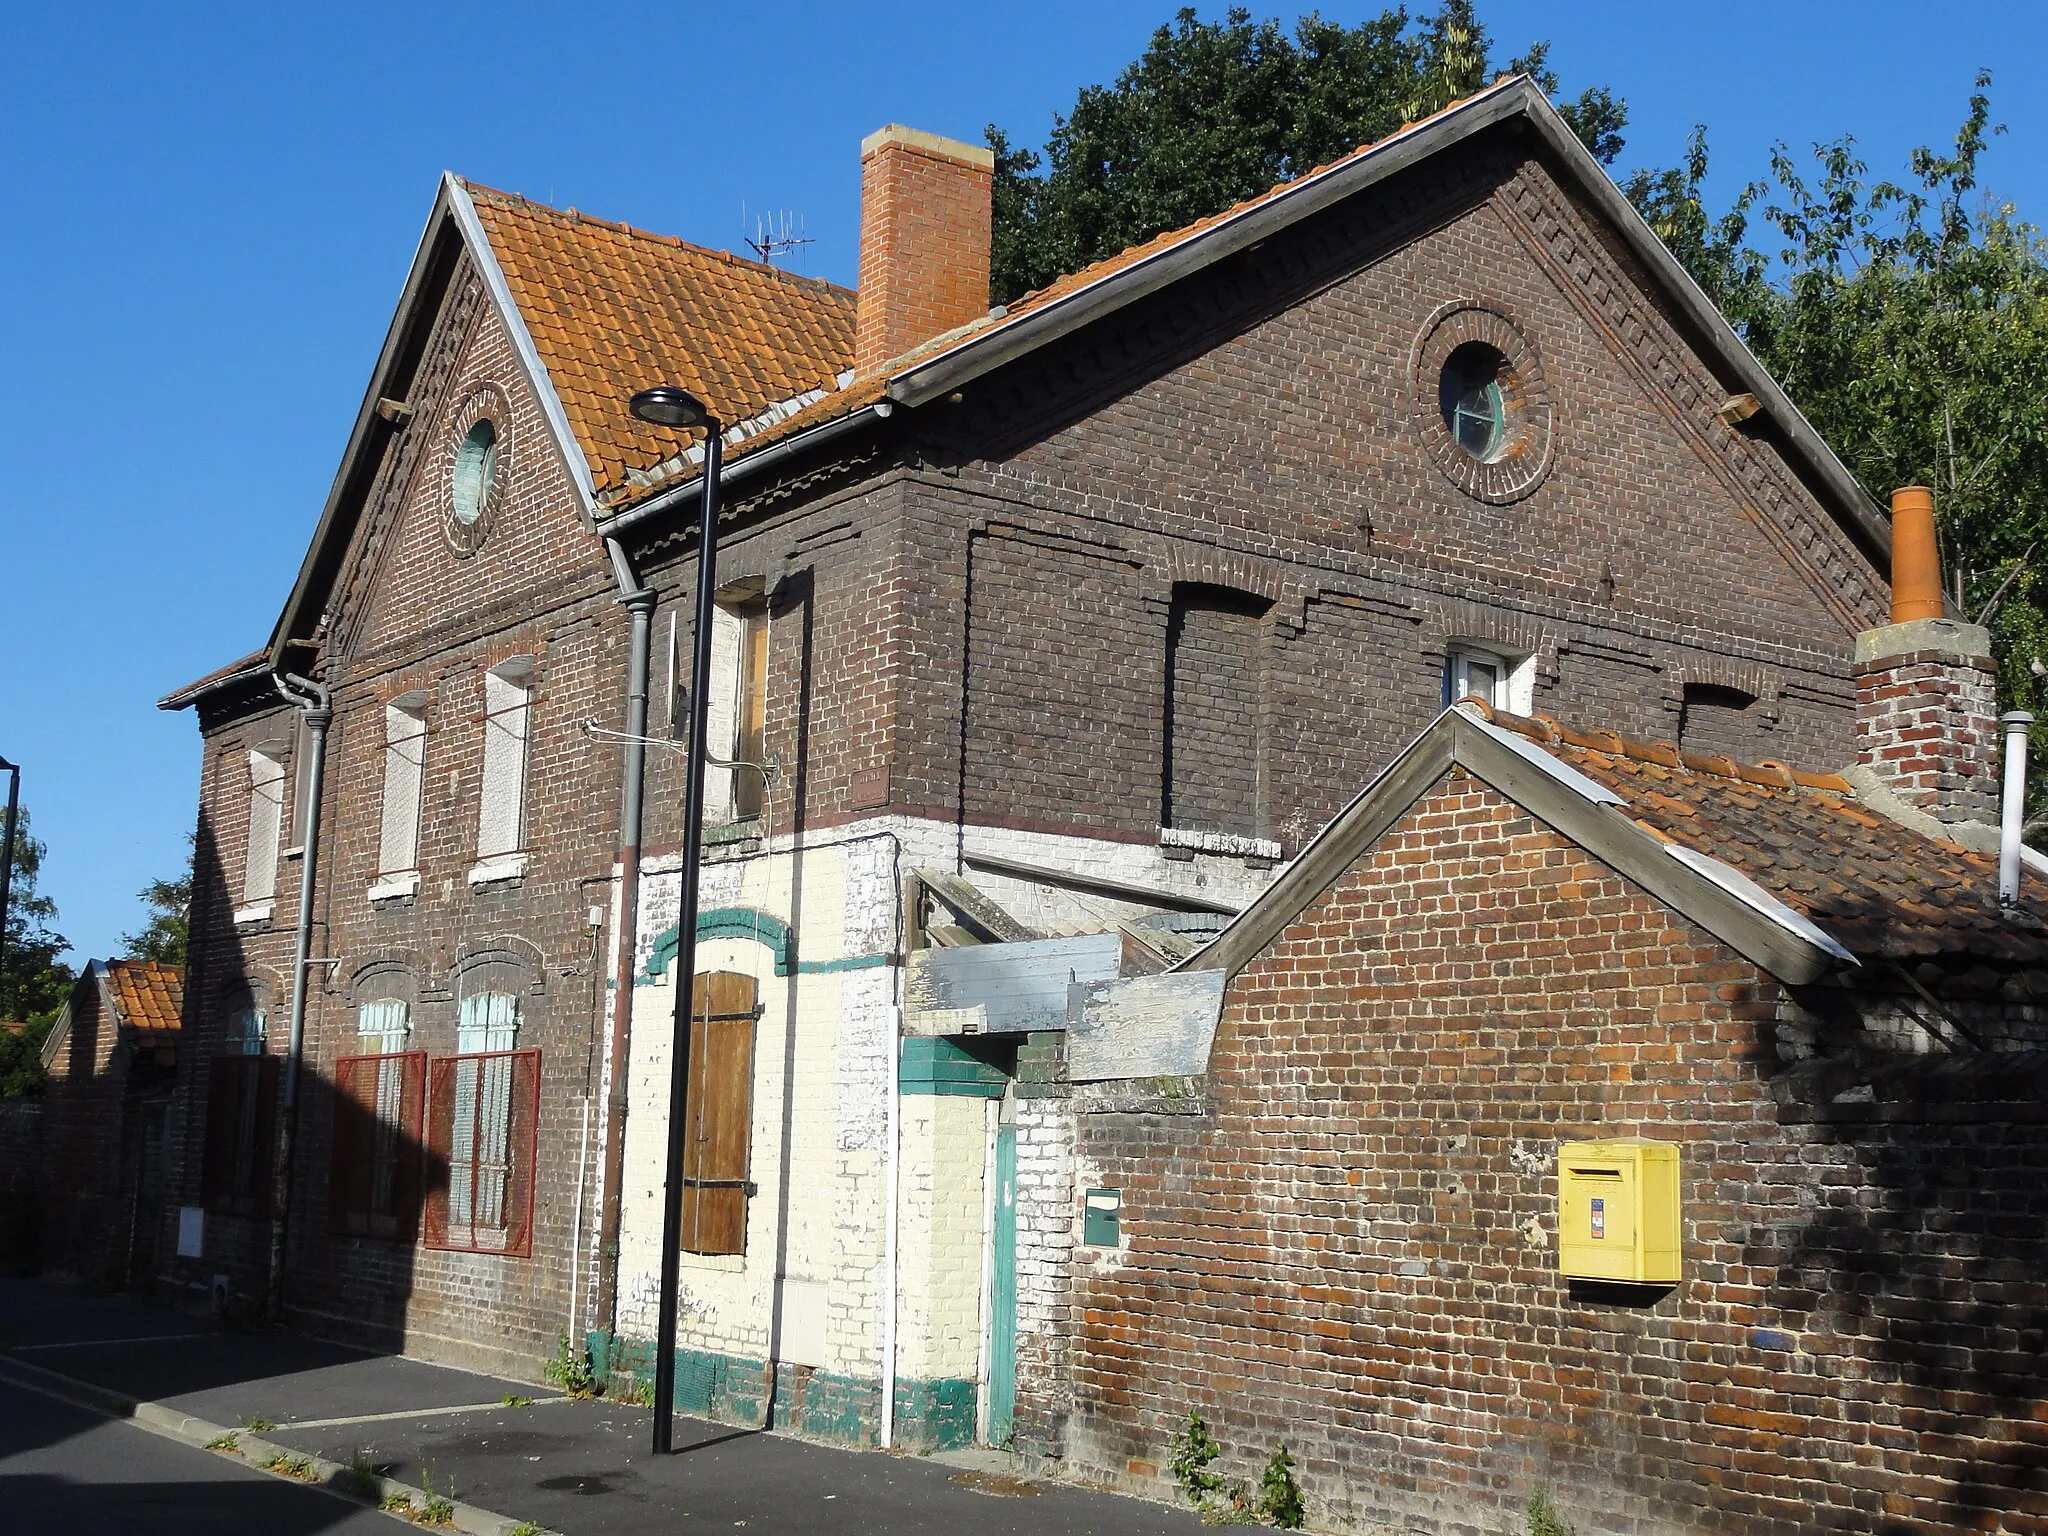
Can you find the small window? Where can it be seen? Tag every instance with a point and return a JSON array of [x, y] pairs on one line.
[[241, 1110], [501, 820], [1473, 400], [266, 818], [1504, 682], [484, 1107], [719, 1115], [245, 1031], [476, 469], [736, 717], [1717, 719], [405, 760]]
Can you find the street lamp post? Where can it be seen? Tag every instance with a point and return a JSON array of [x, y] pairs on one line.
[[7, 849], [667, 406]]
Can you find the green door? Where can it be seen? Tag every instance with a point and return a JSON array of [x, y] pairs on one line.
[[1002, 1294]]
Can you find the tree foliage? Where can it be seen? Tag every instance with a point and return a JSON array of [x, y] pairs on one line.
[[1214, 112], [162, 938], [33, 981], [1909, 322]]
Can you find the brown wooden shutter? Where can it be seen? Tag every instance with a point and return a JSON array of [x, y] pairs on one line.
[[225, 1079], [355, 1131], [264, 1071], [720, 1114], [361, 1141]]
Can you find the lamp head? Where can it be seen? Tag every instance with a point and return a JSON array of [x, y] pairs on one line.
[[667, 406]]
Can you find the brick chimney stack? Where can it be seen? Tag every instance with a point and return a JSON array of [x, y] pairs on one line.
[[924, 240], [1926, 687]]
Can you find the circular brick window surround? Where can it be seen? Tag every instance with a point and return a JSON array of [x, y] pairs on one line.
[[1471, 360], [476, 462]]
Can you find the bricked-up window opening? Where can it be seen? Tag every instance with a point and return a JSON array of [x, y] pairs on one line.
[[483, 1110], [1474, 400], [373, 1187], [1215, 715], [737, 710], [266, 816], [405, 761], [719, 1117], [241, 1113], [1719, 719], [508, 700]]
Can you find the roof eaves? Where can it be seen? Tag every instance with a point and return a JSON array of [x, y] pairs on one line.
[[233, 675]]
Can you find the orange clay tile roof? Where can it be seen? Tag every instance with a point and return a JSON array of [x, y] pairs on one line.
[[870, 388], [149, 997], [1879, 887], [613, 309]]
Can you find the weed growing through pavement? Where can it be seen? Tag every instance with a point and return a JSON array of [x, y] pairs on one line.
[[397, 1504], [229, 1443], [258, 1426], [524, 1528], [569, 1369], [1226, 1501], [514, 1400], [300, 1467], [1544, 1520], [437, 1510], [361, 1476]]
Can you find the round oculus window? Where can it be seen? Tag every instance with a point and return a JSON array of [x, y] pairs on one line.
[[1473, 403], [476, 467]]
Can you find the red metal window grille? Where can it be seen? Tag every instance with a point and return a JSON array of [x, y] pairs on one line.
[[373, 1185], [241, 1118], [483, 1115]]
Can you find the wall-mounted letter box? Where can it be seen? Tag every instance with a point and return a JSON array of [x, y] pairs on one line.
[[1102, 1218], [1617, 1211]]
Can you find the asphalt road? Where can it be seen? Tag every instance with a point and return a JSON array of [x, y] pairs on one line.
[[71, 1472]]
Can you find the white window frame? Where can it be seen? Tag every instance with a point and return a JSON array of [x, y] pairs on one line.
[[266, 824], [405, 766], [732, 794], [1514, 686], [501, 809]]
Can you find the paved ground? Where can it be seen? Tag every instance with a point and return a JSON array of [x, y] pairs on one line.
[[583, 1468], [68, 1470]]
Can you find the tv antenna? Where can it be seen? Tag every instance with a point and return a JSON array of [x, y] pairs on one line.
[[775, 234]]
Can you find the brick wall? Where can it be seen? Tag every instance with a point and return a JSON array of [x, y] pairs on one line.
[[1927, 716], [1353, 1250], [924, 240]]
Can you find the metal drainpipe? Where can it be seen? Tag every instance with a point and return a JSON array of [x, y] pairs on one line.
[[638, 600], [317, 705], [2013, 807]]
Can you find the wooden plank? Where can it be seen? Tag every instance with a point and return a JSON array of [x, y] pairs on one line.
[[1005, 988], [975, 909], [1143, 1026]]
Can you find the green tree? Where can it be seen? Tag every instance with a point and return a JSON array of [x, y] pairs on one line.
[[1213, 112], [1909, 322], [33, 981], [163, 937]]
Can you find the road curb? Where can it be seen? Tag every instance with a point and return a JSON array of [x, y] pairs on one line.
[[360, 1488]]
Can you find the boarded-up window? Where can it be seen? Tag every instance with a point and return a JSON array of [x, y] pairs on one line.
[[720, 1115], [1215, 668], [736, 710], [1718, 719], [241, 1113], [405, 759], [373, 1186], [483, 1108], [501, 821], [266, 815]]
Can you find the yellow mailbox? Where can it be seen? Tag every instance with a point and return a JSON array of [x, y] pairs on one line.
[[1617, 1211]]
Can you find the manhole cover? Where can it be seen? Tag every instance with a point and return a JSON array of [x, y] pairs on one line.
[[575, 1483], [1001, 1485]]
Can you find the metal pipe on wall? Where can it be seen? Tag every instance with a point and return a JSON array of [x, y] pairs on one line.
[[316, 704], [2013, 810], [638, 600]]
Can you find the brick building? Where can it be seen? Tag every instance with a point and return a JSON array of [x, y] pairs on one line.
[[1053, 630], [110, 1060]]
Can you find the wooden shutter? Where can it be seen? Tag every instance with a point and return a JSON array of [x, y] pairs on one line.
[[720, 1115], [241, 1123], [373, 1187]]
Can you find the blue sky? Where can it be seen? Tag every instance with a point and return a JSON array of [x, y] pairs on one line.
[[209, 211]]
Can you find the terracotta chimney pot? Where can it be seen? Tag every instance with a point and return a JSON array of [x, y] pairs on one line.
[[1916, 567]]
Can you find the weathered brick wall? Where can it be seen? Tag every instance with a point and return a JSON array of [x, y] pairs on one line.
[[1353, 1251], [1215, 726]]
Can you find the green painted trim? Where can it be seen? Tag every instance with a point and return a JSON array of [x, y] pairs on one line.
[[850, 963], [934, 1065], [824, 1405], [723, 923]]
